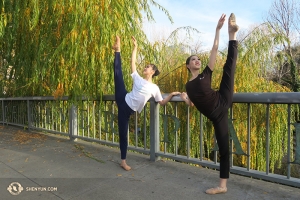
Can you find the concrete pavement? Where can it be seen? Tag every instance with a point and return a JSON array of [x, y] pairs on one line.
[[45, 166]]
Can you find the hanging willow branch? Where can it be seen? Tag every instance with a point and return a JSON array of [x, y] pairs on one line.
[[63, 47]]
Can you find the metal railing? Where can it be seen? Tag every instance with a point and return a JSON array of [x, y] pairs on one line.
[[169, 131]]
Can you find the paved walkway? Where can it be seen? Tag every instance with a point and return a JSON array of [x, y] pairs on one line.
[[52, 167]]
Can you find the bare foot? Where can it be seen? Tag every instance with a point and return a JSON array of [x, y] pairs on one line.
[[217, 190], [125, 166], [117, 46], [232, 26]]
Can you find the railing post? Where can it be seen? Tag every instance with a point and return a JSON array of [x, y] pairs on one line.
[[289, 143], [73, 132], [29, 115], [3, 113], [154, 130], [268, 139]]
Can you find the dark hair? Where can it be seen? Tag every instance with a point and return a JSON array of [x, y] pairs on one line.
[[188, 61], [157, 72]]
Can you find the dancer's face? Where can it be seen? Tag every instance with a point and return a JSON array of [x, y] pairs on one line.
[[194, 63], [148, 70]]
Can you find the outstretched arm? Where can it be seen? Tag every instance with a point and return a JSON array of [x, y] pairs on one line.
[[214, 50], [166, 100], [133, 56]]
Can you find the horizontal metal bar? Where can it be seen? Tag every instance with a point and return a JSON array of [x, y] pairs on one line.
[[108, 97], [137, 149], [48, 130], [196, 161], [37, 129], [270, 177], [43, 98], [266, 97], [235, 170], [274, 98], [97, 141], [14, 124]]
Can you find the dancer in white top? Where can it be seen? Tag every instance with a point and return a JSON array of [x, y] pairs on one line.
[[143, 89]]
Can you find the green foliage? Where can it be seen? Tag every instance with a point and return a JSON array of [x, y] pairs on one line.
[[63, 47]]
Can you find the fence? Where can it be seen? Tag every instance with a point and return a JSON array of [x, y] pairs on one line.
[[176, 131]]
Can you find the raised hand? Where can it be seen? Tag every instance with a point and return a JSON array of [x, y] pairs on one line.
[[134, 41], [221, 21]]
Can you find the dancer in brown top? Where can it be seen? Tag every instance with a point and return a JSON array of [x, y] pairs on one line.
[[215, 104]]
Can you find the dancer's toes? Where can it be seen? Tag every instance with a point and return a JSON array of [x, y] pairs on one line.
[[117, 46], [232, 26], [125, 166], [217, 190]]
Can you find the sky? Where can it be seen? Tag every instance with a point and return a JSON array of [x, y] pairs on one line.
[[204, 15]]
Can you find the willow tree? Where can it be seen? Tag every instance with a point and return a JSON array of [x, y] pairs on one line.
[[283, 18], [63, 47]]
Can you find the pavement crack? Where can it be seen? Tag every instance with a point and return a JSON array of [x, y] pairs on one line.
[[86, 153]]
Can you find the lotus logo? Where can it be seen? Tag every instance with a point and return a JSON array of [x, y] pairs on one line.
[[15, 188]]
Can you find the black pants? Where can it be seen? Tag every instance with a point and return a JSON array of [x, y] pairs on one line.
[[124, 111], [219, 116]]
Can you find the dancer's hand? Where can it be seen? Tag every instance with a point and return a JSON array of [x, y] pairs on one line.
[[175, 93], [134, 42], [221, 21], [183, 96], [168, 98], [133, 55]]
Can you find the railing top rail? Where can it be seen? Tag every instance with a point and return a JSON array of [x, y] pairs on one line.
[[268, 97], [43, 98], [272, 98]]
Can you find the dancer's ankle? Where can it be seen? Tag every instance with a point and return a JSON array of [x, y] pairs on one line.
[[124, 165]]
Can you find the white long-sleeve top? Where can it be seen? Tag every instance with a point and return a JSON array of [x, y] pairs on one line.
[[142, 91]]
